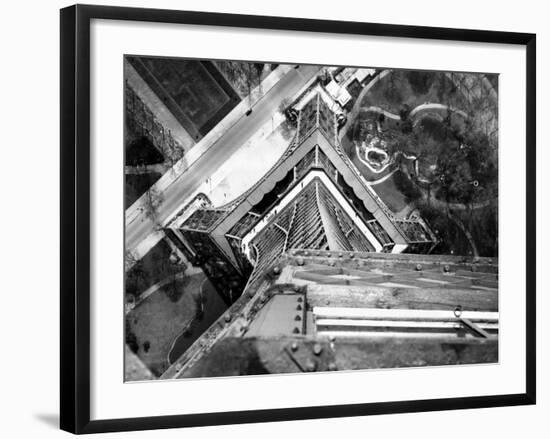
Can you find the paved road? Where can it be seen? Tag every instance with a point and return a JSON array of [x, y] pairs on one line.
[[185, 184]]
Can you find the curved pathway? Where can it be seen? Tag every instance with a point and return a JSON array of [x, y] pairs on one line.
[[153, 289], [201, 294], [432, 114], [428, 107], [422, 107], [453, 206], [373, 109], [367, 164], [434, 106], [384, 178]]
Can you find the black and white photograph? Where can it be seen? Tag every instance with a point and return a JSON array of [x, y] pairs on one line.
[[296, 218], [275, 220]]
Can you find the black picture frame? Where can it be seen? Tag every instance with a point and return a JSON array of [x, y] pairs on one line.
[[75, 217]]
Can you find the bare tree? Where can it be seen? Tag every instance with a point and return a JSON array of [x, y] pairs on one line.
[[283, 106], [153, 199], [259, 70], [129, 260]]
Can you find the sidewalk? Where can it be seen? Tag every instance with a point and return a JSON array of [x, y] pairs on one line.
[[247, 165]]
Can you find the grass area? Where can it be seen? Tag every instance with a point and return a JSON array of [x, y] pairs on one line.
[[158, 320], [157, 265], [176, 313], [212, 307], [137, 184], [375, 156], [389, 191], [434, 129]]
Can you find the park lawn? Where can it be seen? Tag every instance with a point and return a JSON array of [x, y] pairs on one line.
[[154, 267], [390, 194], [159, 320]]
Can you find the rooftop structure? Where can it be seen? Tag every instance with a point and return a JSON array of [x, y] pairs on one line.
[[314, 201], [327, 310], [339, 93], [312, 198]]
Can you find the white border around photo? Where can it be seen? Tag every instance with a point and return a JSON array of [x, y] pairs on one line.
[[112, 398]]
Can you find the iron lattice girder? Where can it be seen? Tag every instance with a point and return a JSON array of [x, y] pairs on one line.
[[434, 278], [252, 356]]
